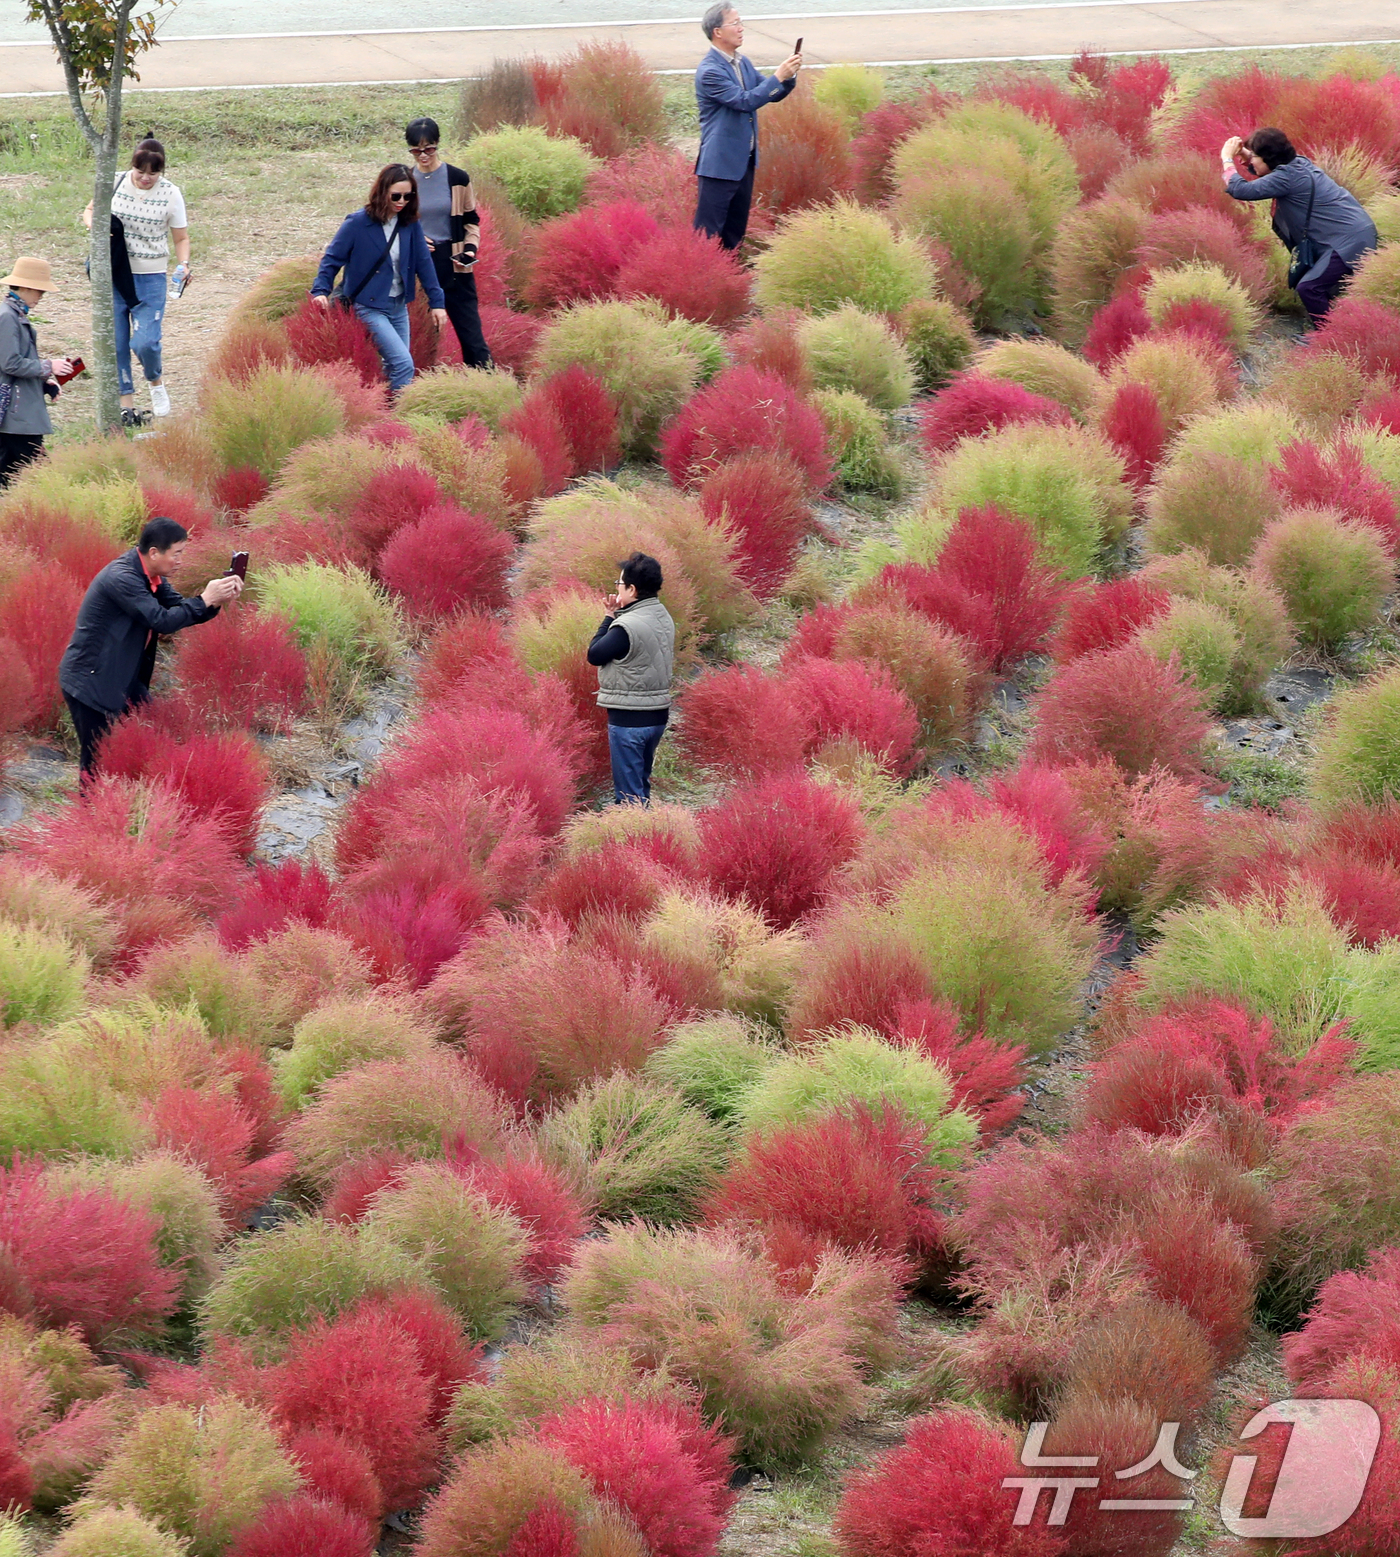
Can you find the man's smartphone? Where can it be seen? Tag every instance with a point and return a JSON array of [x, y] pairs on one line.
[[798, 48], [238, 567], [76, 365]]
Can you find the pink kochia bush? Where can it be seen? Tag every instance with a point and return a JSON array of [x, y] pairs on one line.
[[760, 495], [243, 669], [974, 404], [740, 722], [1125, 704], [1106, 616], [446, 560], [1356, 1315], [745, 409], [306, 1527], [219, 1136], [587, 414], [579, 256], [850, 701], [1337, 478], [690, 274], [545, 1203], [276, 896], [79, 1257], [1132, 425], [941, 1491], [777, 844]]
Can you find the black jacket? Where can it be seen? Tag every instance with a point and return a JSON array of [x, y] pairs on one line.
[[110, 658]]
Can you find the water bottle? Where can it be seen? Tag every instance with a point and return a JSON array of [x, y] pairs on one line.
[[178, 280]]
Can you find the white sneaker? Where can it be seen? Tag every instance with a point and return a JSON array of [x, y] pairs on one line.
[[160, 400]]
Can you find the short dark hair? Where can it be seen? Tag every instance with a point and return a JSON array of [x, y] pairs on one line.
[[643, 573], [423, 132], [1271, 146], [380, 207], [713, 19], [149, 156], [161, 534]]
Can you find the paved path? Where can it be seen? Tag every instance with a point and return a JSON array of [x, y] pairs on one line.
[[954, 32]]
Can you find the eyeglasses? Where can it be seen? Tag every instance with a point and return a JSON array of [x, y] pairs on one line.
[[399, 199], [423, 151]]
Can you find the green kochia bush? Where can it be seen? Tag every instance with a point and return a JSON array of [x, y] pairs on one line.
[[713, 1062], [1283, 958], [858, 1069], [341, 1035], [852, 90], [644, 361], [542, 175], [448, 394], [1065, 482], [1371, 1004], [113, 1532], [204, 1475], [1358, 755], [1216, 503], [1333, 573], [53, 1101], [1044, 368], [824, 257], [341, 616], [859, 443], [278, 1281], [640, 1149], [259, 422], [938, 338], [1204, 641], [472, 1249], [1199, 280], [850, 349], [42, 976]]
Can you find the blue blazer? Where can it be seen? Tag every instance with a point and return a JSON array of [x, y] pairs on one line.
[[359, 247], [729, 113]]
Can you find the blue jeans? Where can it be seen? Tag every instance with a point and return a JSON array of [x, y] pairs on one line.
[[138, 330], [389, 327], [632, 748]]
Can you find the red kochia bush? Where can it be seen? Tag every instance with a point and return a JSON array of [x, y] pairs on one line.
[[337, 1471], [37, 612], [245, 669], [579, 256], [769, 343], [389, 500], [588, 415], [1125, 96], [1366, 332], [513, 338], [143, 851], [546, 1204], [217, 1135], [803, 157], [941, 1491], [279, 895], [80, 549], [1204, 233], [742, 723], [306, 1527], [760, 495], [881, 132], [665, 1469], [689, 273], [778, 842], [1133, 425], [990, 558], [655, 176], [740, 410], [1355, 1314], [79, 1258], [851, 700], [1105, 616], [538, 424], [445, 1357], [1122, 703], [447, 561], [855, 1182], [317, 335], [1114, 328], [617, 878], [986, 1075], [240, 488], [224, 778], [1037, 96], [361, 1377], [973, 404], [411, 912], [1338, 478]]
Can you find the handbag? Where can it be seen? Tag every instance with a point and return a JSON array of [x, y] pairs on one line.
[[7, 397], [1306, 253], [346, 300]]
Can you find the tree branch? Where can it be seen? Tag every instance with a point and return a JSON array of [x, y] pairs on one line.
[[63, 46]]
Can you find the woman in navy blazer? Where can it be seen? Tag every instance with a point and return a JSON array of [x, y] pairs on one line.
[[382, 250], [729, 92]]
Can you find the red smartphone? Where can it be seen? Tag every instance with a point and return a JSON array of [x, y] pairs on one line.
[[76, 365], [798, 48], [239, 565]]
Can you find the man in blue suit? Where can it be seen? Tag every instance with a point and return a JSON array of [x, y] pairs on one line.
[[729, 92]]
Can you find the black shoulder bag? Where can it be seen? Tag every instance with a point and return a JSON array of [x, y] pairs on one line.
[[345, 299], [1306, 253]]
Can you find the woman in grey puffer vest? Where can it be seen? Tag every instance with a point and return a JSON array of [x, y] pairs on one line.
[[1338, 223], [23, 370]]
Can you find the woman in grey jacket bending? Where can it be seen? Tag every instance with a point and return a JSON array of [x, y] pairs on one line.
[[1338, 224]]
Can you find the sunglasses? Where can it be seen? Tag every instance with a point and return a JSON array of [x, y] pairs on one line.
[[399, 199], [423, 151]]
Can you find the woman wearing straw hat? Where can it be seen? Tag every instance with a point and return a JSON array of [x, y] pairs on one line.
[[25, 376]]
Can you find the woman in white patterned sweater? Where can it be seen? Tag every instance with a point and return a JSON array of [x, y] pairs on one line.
[[152, 212]]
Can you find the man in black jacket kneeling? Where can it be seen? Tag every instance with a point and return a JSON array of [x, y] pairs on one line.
[[129, 606]]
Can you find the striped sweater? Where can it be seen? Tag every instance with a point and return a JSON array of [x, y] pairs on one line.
[[466, 224]]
